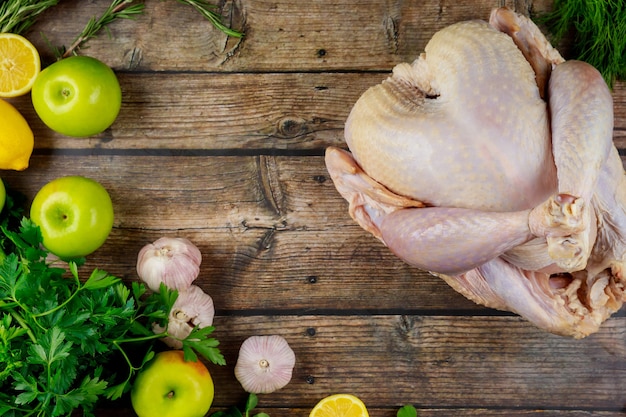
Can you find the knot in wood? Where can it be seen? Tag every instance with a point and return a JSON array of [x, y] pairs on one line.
[[291, 127]]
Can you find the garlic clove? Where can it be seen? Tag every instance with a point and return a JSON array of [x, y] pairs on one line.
[[196, 306], [192, 308], [172, 328], [265, 364], [172, 261]]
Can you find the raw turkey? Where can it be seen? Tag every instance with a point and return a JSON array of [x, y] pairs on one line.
[[489, 162]]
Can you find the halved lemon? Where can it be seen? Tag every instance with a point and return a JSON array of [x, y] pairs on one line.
[[339, 405], [19, 65]]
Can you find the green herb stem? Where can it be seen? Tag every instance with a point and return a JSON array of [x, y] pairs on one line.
[[26, 310], [208, 11], [7, 306], [118, 9], [117, 342], [59, 307], [131, 367], [24, 326]]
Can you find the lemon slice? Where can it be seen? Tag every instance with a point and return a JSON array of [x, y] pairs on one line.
[[16, 138], [19, 65], [339, 405]]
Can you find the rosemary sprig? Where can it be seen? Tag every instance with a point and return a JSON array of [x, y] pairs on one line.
[[599, 30], [118, 9], [123, 9], [17, 16], [209, 11]]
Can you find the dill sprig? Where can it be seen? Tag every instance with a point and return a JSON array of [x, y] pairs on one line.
[[17, 16], [118, 9], [599, 33], [209, 11]]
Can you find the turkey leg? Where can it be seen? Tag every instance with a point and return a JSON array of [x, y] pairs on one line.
[[438, 239], [581, 110]]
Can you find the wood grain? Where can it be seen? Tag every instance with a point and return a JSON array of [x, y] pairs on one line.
[[236, 113], [433, 362], [281, 35], [268, 225], [422, 412], [221, 141]]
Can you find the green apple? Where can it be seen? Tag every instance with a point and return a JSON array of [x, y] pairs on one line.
[[77, 96], [169, 386], [75, 215]]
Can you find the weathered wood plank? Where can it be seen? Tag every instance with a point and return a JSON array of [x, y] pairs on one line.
[[434, 362], [240, 112], [237, 113], [229, 192], [422, 412], [281, 253], [267, 226], [443, 365], [281, 35], [293, 278]]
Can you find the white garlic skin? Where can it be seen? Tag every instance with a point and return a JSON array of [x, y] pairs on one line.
[[265, 364], [172, 261], [192, 308]]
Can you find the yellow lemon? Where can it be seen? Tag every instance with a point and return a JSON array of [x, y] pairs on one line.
[[19, 65], [339, 405], [3, 195], [16, 138]]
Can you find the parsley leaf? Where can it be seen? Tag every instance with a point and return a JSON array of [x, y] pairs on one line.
[[407, 411], [198, 341]]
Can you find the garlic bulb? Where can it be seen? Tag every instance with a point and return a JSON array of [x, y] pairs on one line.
[[265, 364], [192, 308], [172, 261]]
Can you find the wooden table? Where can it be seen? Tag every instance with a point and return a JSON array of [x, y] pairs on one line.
[[221, 141]]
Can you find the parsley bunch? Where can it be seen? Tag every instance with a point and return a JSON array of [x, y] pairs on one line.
[[67, 343]]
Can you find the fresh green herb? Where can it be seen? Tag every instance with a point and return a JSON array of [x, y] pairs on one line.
[[118, 9], [123, 9], [17, 16], [209, 12], [65, 342], [407, 411], [234, 411], [599, 33]]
